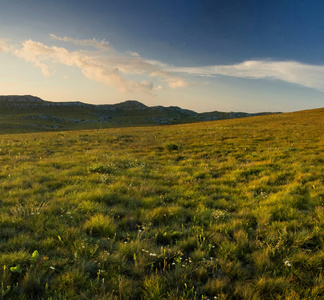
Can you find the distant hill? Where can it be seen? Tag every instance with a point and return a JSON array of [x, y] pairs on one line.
[[29, 114]]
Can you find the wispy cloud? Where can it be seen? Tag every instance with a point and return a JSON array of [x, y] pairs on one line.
[[104, 65], [45, 57], [293, 72], [121, 69], [91, 43], [3, 46]]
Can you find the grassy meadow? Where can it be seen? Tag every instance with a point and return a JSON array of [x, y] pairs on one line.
[[230, 209]]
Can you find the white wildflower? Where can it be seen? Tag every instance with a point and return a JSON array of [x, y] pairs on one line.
[[287, 263]]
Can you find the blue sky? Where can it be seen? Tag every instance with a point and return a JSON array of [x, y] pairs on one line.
[[201, 55]]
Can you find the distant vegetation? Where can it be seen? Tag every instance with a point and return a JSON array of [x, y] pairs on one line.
[[32, 114], [231, 209]]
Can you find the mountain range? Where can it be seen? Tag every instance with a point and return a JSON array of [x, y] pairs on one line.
[[29, 114]]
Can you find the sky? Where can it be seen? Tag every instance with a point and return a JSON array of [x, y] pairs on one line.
[[203, 55]]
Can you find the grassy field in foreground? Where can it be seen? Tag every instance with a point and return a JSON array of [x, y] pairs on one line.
[[218, 210]]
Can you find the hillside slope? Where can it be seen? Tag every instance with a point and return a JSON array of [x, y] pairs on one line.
[[31, 114], [231, 209]]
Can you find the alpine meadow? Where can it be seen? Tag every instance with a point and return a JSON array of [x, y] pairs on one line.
[[227, 209]]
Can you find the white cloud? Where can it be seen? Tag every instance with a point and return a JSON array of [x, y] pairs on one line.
[[45, 57], [109, 67], [293, 72], [176, 82], [159, 87], [104, 45], [3, 46], [35, 52], [118, 69], [171, 80], [133, 53]]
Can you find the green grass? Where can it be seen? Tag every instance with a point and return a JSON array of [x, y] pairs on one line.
[[231, 209]]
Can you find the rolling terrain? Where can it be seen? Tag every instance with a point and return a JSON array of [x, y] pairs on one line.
[[229, 209], [32, 114]]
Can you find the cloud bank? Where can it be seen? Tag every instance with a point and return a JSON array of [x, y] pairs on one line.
[[289, 71], [122, 70], [104, 64]]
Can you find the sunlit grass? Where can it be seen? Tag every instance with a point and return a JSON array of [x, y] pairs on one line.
[[220, 210]]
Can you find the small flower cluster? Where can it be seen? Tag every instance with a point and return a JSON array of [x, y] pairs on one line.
[[143, 228], [287, 263], [263, 195], [151, 253], [182, 262], [68, 214], [219, 214], [37, 212]]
